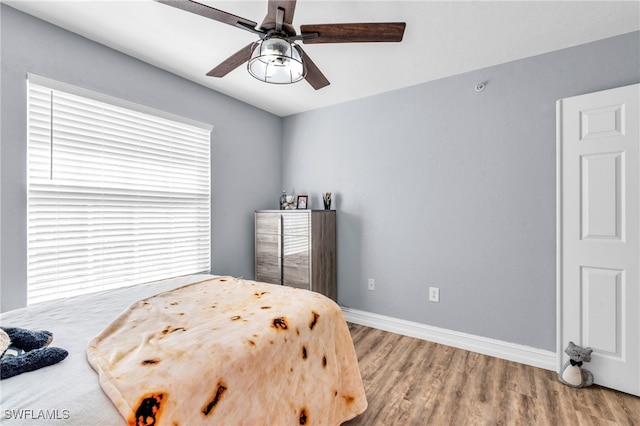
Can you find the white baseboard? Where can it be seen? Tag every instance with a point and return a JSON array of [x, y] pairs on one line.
[[497, 348]]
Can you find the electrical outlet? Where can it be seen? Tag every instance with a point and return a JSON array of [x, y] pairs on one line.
[[434, 294], [372, 284]]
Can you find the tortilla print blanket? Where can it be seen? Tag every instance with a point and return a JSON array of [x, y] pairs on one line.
[[228, 351]]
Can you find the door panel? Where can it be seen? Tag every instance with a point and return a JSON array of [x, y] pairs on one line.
[[599, 233], [602, 309], [602, 195], [268, 223], [295, 223], [268, 258], [296, 261]]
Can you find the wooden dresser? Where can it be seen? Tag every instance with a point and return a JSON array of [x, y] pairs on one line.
[[297, 248]]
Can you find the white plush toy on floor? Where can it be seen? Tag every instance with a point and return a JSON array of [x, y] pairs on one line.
[[572, 373]]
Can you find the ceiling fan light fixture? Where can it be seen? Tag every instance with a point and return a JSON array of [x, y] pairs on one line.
[[276, 60]]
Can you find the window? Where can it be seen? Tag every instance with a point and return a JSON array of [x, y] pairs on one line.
[[117, 194]]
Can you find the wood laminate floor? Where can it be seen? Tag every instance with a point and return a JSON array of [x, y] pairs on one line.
[[410, 381]]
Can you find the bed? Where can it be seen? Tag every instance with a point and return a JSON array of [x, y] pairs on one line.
[[269, 355]]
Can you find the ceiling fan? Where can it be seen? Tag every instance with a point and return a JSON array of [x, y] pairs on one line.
[[276, 58]]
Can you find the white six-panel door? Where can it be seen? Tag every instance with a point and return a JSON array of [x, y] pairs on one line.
[[599, 233]]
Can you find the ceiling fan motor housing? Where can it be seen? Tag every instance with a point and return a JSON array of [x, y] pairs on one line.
[[269, 25]]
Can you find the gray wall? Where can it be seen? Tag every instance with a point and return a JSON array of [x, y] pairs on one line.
[[239, 160], [438, 185]]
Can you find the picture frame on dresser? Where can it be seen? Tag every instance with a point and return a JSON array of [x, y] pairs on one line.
[[302, 202]]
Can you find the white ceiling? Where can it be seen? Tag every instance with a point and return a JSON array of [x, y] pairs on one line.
[[442, 38]]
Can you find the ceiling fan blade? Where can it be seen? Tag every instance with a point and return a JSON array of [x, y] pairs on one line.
[[212, 13], [314, 76], [232, 62], [354, 33]]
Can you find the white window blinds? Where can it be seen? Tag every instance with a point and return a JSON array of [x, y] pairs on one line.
[[116, 196]]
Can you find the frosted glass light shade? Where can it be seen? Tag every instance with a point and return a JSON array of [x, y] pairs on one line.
[[275, 60]]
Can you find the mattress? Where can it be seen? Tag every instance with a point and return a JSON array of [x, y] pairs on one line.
[[69, 393]]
